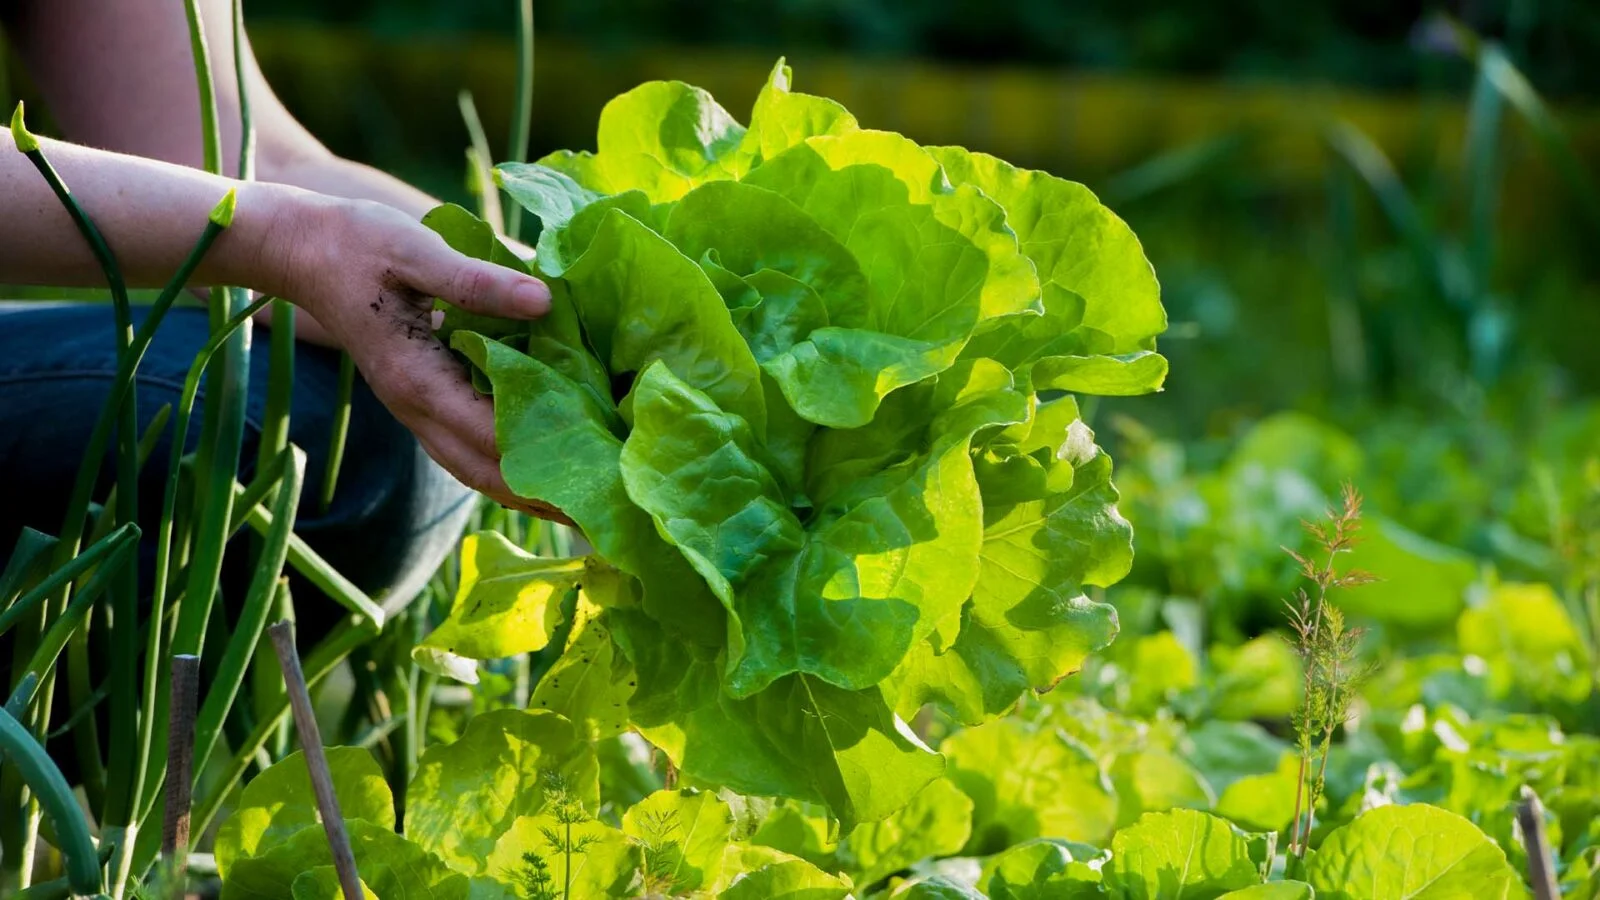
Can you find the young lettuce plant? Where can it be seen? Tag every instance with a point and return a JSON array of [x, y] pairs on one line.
[[806, 388]]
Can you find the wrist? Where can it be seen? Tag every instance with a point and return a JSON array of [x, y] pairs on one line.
[[275, 227]]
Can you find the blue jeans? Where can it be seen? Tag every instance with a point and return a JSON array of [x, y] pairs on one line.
[[395, 514]]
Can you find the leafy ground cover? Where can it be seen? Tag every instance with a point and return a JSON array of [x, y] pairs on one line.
[[852, 534], [862, 616]]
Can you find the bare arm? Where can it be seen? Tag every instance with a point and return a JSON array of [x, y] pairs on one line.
[[120, 76], [366, 271]]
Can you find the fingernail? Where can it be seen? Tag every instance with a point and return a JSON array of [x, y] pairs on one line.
[[438, 319], [533, 295]]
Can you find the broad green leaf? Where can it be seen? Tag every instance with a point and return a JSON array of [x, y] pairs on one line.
[[1263, 802], [641, 300], [1156, 780], [1011, 285], [1044, 869], [935, 887], [279, 803], [389, 864], [1108, 734], [553, 338], [1415, 852], [594, 858], [544, 421], [811, 326], [1051, 426], [471, 236], [1525, 635], [973, 397], [1130, 374], [1423, 584], [739, 860], [678, 123], [1029, 624], [878, 567], [685, 834], [1276, 890], [937, 822], [1259, 679], [750, 229], [789, 312], [1019, 341], [1027, 782], [801, 737], [508, 601], [322, 883], [466, 794], [1182, 853], [783, 118], [1227, 751], [590, 683], [662, 137], [1075, 243], [552, 196], [560, 247], [936, 263], [793, 879], [796, 831], [698, 471], [1165, 669], [619, 172]]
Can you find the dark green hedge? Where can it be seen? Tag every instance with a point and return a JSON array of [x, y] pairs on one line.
[[1359, 42]]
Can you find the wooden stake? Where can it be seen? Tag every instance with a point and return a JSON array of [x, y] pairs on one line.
[[184, 701], [1541, 867], [344, 860]]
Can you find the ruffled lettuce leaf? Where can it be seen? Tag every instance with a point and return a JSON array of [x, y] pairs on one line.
[[789, 395], [783, 118], [801, 737], [842, 596], [467, 794], [1076, 244], [662, 137]]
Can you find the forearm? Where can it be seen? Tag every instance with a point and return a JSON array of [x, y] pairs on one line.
[[120, 76], [151, 213], [283, 159]]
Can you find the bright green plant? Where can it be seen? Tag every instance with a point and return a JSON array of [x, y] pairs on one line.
[[1329, 655], [547, 844], [803, 390], [50, 588]]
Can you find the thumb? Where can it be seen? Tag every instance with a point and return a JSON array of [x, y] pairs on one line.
[[478, 286]]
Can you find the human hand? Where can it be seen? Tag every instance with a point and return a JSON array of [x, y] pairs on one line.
[[368, 274], [309, 330]]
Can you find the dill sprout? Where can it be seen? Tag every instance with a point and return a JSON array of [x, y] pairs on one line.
[[1329, 652], [534, 875], [663, 855]]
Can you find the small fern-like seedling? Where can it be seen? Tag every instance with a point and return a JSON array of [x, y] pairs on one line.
[[534, 878], [663, 853], [568, 811], [1329, 652]]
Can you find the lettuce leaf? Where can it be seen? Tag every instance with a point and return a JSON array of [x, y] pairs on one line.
[[789, 392]]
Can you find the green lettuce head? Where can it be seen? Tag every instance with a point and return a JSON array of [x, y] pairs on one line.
[[807, 389]]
